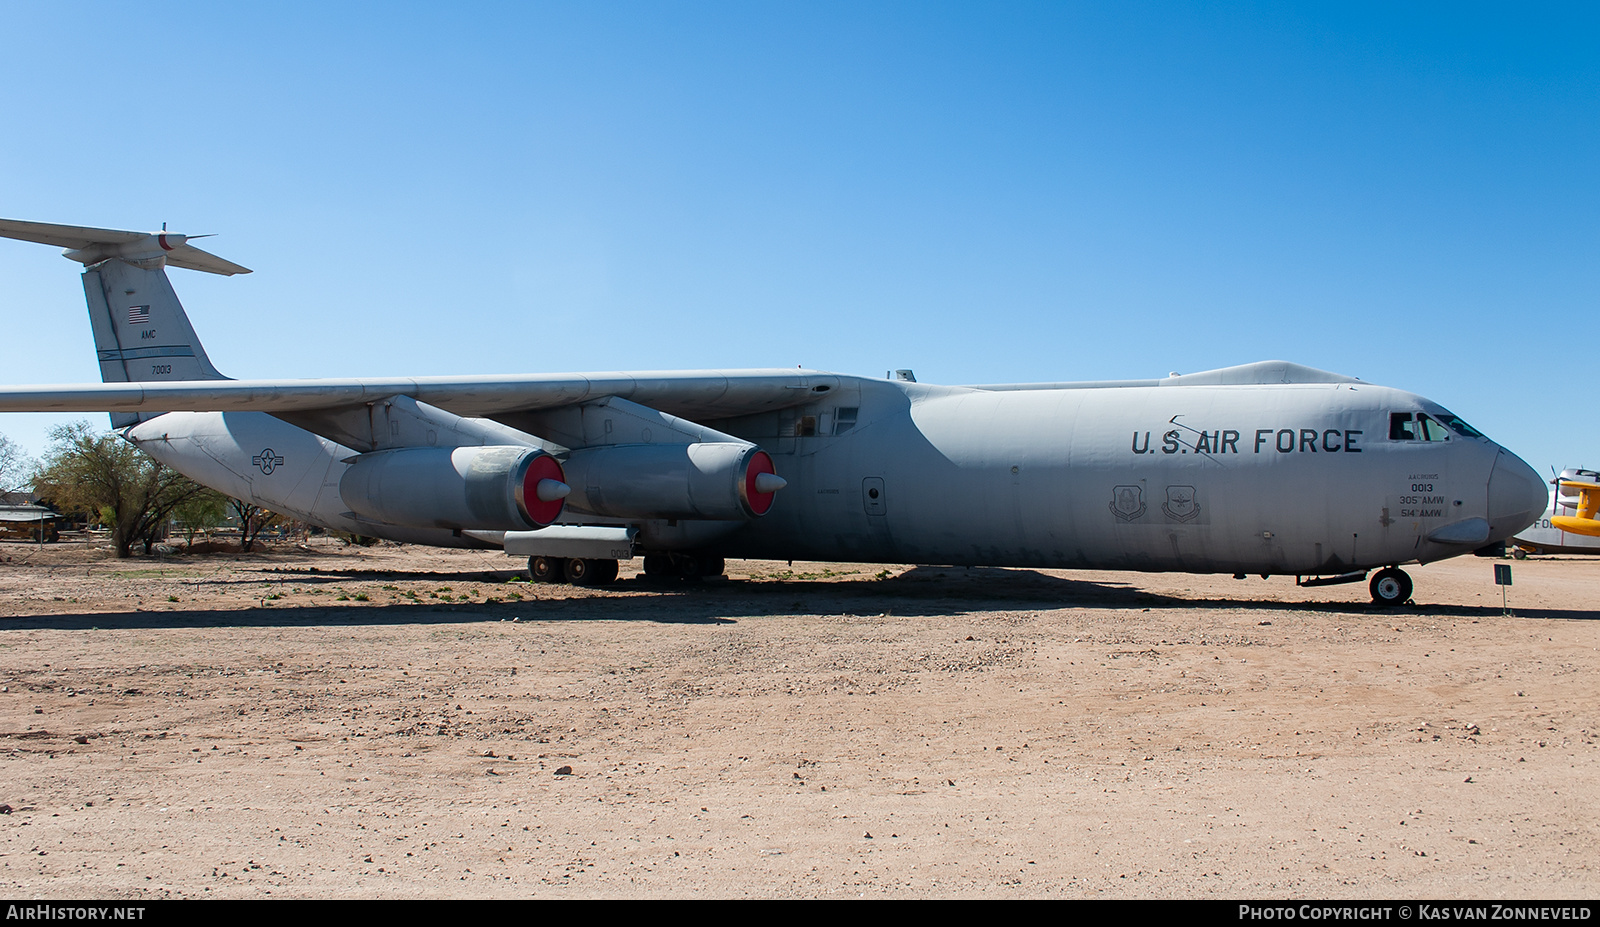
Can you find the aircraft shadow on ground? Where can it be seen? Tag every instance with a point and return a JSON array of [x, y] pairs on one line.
[[1000, 588], [922, 591], [323, 577], [320, 615]]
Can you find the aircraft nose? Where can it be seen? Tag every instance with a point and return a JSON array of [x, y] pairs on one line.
[[1517, 496]]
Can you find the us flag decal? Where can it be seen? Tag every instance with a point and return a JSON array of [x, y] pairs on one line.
[[138, 315]]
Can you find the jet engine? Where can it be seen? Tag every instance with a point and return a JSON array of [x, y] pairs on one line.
[[711, 480], [494, 488]]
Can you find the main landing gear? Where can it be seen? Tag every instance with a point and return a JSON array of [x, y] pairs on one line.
[[579, 571], [690, 566], [1390, 586]]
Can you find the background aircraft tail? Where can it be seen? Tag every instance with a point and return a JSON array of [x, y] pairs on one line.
[[141, 333]]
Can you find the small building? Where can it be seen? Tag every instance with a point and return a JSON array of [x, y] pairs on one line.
[[28, 522]]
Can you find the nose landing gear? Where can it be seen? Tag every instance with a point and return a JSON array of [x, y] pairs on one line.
[[1390, 587]]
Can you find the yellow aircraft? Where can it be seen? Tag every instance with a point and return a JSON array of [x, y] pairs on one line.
[[1584, 522]]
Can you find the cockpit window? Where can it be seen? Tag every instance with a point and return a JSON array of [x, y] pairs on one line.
[[1459, 427], [1431, 430], [1579, 476], [1418, 426]]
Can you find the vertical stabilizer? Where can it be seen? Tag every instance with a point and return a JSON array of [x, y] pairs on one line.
[[141, 332]]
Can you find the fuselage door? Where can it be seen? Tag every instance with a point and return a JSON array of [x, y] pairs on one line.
[[873, 496]]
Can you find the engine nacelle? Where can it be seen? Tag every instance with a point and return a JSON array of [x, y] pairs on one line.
[[720, 481], [494, 488]]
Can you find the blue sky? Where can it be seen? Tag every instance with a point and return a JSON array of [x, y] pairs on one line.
[[1408, 193]]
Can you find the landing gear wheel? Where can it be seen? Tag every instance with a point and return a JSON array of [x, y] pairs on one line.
[[697, 566], [683, 566], [659, 566], [546, 569], [581, 572], [1390, 587], [1518, 553]]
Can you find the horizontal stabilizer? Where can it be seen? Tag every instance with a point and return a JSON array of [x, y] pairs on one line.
[[143, 249]]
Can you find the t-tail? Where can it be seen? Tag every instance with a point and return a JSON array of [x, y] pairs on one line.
[[141, 332]]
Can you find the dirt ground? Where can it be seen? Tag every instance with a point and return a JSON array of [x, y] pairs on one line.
[[402, 722]]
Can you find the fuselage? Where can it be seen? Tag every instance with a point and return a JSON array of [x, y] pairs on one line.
[[1268, 467], [1308, 478]]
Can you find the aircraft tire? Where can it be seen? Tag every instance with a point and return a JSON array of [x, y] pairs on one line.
[[1390, 587], [696, 566], [582, 572], [605, 572], [546, 569], [1518, 553], [659, 566]]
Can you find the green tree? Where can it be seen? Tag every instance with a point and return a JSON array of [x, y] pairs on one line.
[[201, 512], [14, 466], [106, 476], [253, 519]]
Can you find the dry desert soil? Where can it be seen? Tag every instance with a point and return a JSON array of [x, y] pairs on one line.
[[394, 722]]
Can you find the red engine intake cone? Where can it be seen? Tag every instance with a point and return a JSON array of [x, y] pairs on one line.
[[544, 490], [758, 493]]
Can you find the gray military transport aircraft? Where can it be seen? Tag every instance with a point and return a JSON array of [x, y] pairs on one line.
[[1267, 468]]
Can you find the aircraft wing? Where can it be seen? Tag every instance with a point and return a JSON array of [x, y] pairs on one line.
[[693, 394]]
